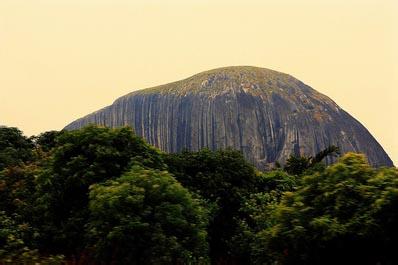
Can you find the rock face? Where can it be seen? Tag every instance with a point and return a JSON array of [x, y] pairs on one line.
[[266, 114]]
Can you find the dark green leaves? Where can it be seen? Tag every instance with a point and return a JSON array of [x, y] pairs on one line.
[[338, 216], [15, 148], [146, 217]]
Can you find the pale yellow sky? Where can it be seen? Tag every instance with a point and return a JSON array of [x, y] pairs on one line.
[[62, 59]]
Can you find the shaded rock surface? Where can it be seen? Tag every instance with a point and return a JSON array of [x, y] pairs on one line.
[[266, 114]]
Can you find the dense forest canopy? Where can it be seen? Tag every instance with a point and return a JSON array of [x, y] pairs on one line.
[[104, 196]]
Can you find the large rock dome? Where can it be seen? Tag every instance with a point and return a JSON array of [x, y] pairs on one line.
[[266, 114]]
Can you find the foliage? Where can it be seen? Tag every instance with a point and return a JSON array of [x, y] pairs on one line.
[[17, 190], [80, 159], [340, 216], [298, 165], [13, 249], [216, 175], [15, 148], [47, 140], [278, 181], [223, 177], [103, 196], [331, 150], [257, 210], [146, 217]]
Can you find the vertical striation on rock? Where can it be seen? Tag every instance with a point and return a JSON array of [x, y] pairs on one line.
[[266, 114]]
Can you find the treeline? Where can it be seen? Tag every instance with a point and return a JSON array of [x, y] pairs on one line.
[[104, 196]]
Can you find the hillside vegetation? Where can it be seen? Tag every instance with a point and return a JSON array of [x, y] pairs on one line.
[[104, 196]]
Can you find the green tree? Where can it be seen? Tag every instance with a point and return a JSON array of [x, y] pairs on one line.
[[298, 165], [146, 217], [82, 158], [223, 178], [13, 246], [15, 148], [17, 190], [47, 140], [343, 215], [257, 210], [385, 214]]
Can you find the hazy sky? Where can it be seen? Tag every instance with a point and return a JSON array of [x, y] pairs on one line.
[[62, 59]]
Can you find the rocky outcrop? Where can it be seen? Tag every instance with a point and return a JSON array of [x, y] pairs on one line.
[[266, 114]]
